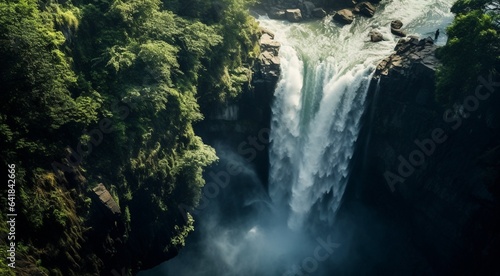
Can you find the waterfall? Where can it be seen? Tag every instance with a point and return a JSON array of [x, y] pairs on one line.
[[319, 100]]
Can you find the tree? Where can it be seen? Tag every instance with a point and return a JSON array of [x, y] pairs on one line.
[[472, 49]]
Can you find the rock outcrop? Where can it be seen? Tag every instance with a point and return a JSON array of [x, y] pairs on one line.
[[430, 167], [269, 62], [410, 52], [344, 16]]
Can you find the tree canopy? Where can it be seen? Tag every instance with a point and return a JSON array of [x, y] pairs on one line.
[[472, 50], [147, 68]]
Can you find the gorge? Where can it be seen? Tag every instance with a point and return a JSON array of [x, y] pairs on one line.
[[241, 137], [329, 90]]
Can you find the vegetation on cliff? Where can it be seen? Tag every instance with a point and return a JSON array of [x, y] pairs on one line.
[[107, 92], [472, 50]]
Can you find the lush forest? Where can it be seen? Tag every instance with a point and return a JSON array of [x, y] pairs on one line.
[[108, 92]]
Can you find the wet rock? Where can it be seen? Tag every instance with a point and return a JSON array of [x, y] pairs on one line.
[[307, 8], [276, 13], [376, 36], [396, 24], [293, 15], [319, 13], [344, 16], [365, 8], [398, 32]]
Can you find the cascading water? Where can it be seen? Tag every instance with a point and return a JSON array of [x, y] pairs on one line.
[[318, 102]]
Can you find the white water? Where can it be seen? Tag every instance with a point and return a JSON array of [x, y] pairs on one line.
[[318, 103], [320, 98]]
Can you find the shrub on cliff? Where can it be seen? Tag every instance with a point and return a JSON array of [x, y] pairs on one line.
[[472, 49], [140, 67]]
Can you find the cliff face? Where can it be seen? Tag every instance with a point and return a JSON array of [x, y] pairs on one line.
[[430, 166], [243, 125]]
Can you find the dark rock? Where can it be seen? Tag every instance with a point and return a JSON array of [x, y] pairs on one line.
[[449, 193], [319, 13], [409, 52], [376, 36], [366, 9], [396, 24], [276, 13], [339, 4], [344, 16], [307, 8], [427, 40], [398, 32], [293, 15]]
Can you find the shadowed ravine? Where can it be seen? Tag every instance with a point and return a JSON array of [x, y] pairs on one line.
[[319, 100]]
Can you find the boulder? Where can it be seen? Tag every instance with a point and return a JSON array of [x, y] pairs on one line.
[[293, 15], [396, 24], [398, 32], [344, 16], [376, 36], [307, 8], [366, 9], [276, 13], [396, 28], [319, 13]]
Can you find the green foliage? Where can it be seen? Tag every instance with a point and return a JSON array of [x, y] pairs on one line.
[[179, 239], [472, 50], [66, 65]]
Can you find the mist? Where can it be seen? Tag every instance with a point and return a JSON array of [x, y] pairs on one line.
[[240, 232]]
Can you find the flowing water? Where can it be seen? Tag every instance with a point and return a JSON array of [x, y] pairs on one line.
[[318, 103], [320, 98]]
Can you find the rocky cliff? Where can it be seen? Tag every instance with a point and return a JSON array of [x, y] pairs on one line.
[[243, 125], [432, 167]]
